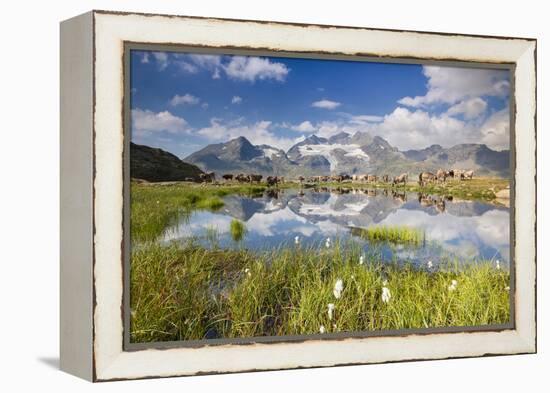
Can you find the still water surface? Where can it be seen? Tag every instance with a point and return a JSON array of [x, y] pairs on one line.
[[453, 229]]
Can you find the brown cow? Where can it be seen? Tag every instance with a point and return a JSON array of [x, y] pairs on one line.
[[254, 178], [372, 178], [426, 177], [241, 178], [402, 178], [272, 180], [468, 175], [385, 178], [441, 175], [207, 177]]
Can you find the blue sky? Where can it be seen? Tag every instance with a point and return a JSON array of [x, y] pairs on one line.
[[182, 102]]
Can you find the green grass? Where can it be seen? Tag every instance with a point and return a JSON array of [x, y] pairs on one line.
[[237, 229], [183, 292], [393, 234], [155, 207]]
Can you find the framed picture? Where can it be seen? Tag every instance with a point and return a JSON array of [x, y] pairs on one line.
[[245, 195]]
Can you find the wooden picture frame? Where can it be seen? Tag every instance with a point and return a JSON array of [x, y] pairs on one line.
[[94, 188]]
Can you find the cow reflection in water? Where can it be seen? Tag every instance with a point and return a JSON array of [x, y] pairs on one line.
[[436, 201], [273, 193], [399, 196]]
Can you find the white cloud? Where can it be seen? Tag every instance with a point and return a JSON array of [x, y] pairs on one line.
[[247, 68], [236, 100], [452, 84], [186, 99], [148, 121], [211, 63], [470, 108], [187, 67], [253, 68], [162, 60], [365, 119], [304, 126], [418, 129], [204, 105], [326, 104], [496, 130], [258, 133]]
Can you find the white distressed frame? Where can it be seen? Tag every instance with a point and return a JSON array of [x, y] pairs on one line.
[[111, 30]]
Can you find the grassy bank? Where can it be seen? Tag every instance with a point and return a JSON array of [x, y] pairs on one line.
[[182, 292], [156, 207], [391, 234]]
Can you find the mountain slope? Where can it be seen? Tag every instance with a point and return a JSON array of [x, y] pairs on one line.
[[345, 153], [153, 164], [239, 155]]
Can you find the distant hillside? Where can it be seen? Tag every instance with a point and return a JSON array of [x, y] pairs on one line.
[[154, 165], [239, 155], [359, 153]]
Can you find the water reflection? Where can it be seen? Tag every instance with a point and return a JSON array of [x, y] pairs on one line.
[[466, 230]]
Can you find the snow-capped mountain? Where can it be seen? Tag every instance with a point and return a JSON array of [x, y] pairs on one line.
[[357, 153]]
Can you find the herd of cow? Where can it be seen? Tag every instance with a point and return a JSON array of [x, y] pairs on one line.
[[441, 176], [423, 178]]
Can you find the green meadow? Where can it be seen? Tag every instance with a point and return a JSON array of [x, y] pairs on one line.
[[186, 291]]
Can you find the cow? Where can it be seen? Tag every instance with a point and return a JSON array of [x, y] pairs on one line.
[[301, 179], [241, 178], [254, 178], [271, 181], [440, 205], [399, 196], [207, 177], [402, 178], [385, 178], [468, 175], [372, 178], [337, 178], [426, 177], [441, 175], [450, 173], [458, 173], [432, 201], [227, 177]]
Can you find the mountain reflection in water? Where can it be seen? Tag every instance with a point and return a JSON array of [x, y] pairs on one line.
[[456, 229]]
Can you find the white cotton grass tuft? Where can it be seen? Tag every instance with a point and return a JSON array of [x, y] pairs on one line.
[[338, 288], [330, 311], [247, 271], [321, 329], [430, 264], [386, 294], [297, 240], [507, 289], [361, 259], [453, 285], [497, 264], [327, 242]]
